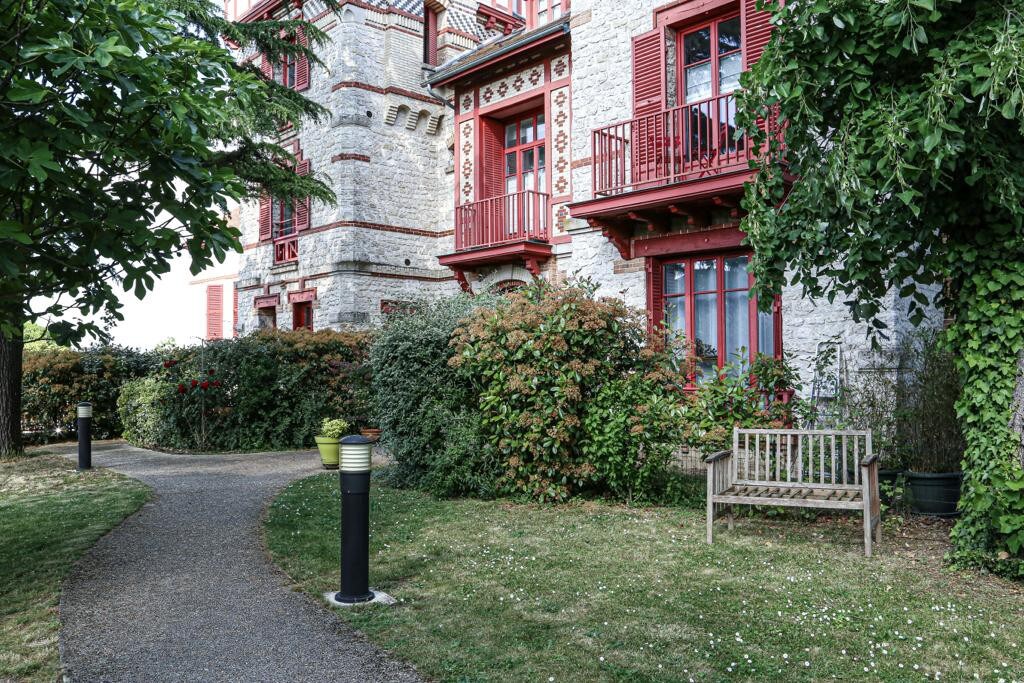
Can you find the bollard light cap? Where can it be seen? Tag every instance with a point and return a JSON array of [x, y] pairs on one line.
[[84, 409], [356, 453]]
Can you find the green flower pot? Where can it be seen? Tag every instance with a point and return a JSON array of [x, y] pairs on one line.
[[328, 451], [934, 494]]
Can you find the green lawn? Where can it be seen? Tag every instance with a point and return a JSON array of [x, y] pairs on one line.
[[498, 591], [49, 516]]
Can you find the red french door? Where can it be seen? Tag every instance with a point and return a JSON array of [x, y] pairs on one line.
[[525, 168], [707, 300], [302, 316], [710, 59]]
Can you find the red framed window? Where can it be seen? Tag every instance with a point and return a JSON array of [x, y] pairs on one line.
[[266, 318], [710, 59], [285, 71], [706, 299], [282, 230], [302, 315], [525, 157], [548, 10]]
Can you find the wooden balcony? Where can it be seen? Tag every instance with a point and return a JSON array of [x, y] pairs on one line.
[[686, 143], [511, 227]]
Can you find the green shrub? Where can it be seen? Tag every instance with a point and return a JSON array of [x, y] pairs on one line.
[[146, 420], [267, 391], [425, 409], [55, 380], [333, 429], [551, 367]]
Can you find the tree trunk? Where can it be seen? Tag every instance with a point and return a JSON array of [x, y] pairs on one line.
[[10, 395], [1017, 412]]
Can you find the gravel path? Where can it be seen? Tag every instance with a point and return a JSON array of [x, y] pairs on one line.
[[182, 590]]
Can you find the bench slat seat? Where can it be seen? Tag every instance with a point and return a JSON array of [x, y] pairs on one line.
[[797, 468]]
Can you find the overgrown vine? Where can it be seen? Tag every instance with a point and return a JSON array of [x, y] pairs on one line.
[[900, 171]]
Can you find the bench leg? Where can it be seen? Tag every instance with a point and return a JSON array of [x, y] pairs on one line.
[[878, 530], [729, 517], [711, 522], [867, 531]]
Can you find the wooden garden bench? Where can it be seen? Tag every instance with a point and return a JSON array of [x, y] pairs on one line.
[[797, 468]]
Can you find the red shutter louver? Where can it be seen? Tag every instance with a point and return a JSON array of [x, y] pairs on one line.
[[649, 72], [302, 204], [302, 64], [655, 295], [215, 311], [234, 310], [492, 158], [264, 219], [266, 67], [648, 128], [757, 29]]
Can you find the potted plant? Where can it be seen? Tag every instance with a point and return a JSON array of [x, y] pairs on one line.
[[929, 430], [775, 378], [328, 441]]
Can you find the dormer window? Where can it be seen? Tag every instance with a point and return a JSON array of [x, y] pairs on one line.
[[547, 10]]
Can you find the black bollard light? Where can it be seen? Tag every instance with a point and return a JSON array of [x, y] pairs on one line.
[[84, 436], [354, 475]]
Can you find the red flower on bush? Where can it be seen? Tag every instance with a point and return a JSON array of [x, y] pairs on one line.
[[181, 388], [167, 364], [204, 386], [210, 371], [195, 383], [216, 382]]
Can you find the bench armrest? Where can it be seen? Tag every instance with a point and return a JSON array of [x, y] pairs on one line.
[[715, 457], [868, 462]]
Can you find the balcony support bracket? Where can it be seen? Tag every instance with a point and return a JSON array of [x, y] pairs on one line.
[[460, 277], [727, 203], [617, 233], [532, 265], [650, 222]]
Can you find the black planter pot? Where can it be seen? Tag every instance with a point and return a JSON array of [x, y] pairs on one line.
[[892, 478], [934, 494]]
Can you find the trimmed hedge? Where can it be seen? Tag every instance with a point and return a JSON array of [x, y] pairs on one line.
[[54, 380], [267, 391]]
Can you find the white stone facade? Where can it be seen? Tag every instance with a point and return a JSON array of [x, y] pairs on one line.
[[400, 160]]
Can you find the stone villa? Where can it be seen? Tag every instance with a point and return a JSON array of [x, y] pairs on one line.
[[481, 144]]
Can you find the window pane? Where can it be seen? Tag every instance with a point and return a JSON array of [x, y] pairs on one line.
[[526, 131], [675, 315], [527, 160], [510, 163], [540, 126], [729, 35], [705, 275], [528, 181], [705, 334], [540, 157], [736, 273], [698, 82], [737, 328], [675, 278], [510, 184], [765, 333], [697, 46], [729, 72], [510, 135]]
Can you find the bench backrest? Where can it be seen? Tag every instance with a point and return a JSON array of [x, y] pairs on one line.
[[799, 456]]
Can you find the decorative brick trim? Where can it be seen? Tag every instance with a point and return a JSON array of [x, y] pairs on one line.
[[418, 232], [580, 163], [390, 90], [580, 19], [620, 267], [349, 157]]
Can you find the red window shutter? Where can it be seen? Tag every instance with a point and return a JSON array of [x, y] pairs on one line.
[[264, 218], [266, 67], [430, 36], [302, 204], [492, 158], [649, 72], [655, 294], [757, 29], [234, 311], [302, 64], [215, 311]]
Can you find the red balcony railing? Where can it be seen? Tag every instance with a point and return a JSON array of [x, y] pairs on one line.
[[683, 143], [502, 220], [286, 249]]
